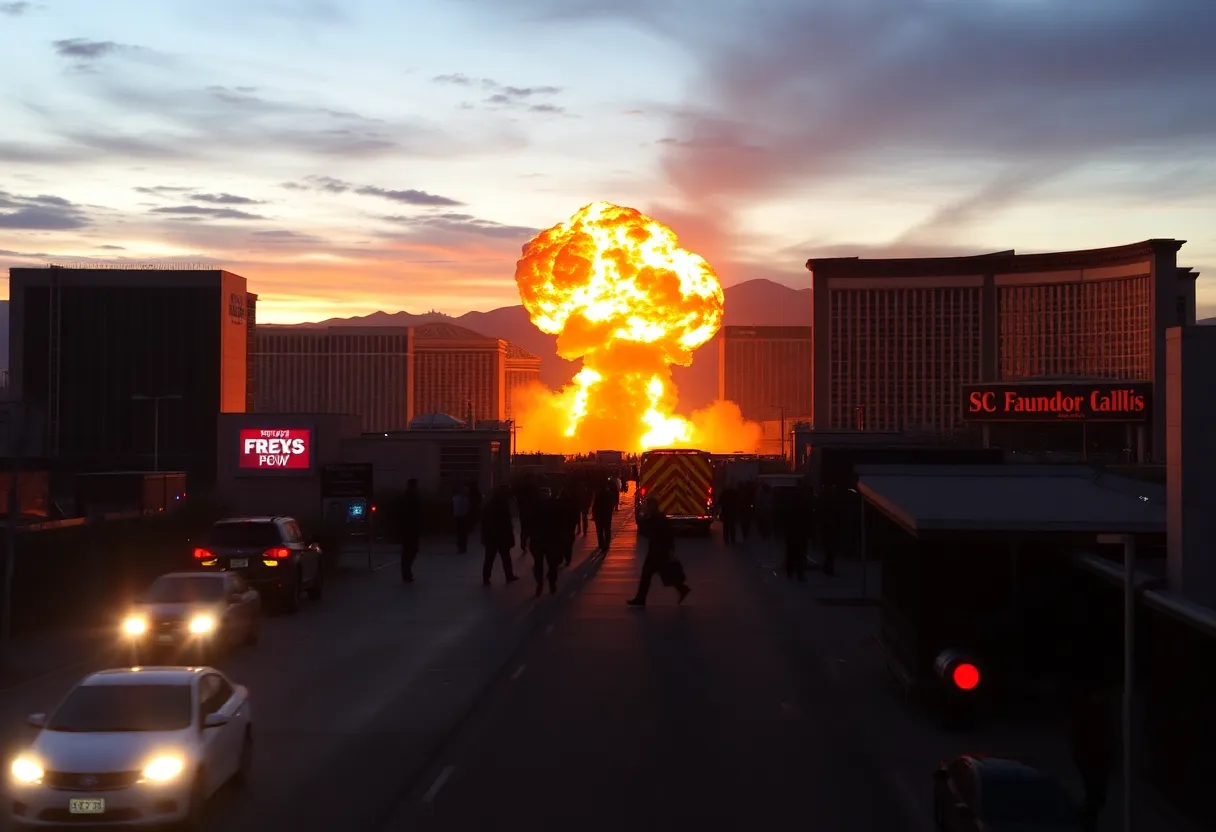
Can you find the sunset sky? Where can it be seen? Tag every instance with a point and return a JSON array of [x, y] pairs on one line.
[[358, 155]]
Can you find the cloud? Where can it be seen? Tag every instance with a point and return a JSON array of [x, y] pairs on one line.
[[113, 248], [205, 124], [161, 190], [449, 223], [15, 9], [40, 213], [224, 199], [212, 213], [84, 49], [286, 237], [817, 91], [338, 186], [504, 95]]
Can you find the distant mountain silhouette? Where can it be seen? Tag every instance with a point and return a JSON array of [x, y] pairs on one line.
[[1200, 322], [754, 303]]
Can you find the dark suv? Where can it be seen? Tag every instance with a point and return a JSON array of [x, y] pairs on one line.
[[270, 553]]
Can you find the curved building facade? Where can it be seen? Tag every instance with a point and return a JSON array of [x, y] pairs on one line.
[[901, 344]]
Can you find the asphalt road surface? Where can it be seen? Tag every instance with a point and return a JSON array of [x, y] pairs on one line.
[[352, 695], [705, 715]]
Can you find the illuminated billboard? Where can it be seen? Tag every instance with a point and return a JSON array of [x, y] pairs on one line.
[[1056, 402], [275, 449]]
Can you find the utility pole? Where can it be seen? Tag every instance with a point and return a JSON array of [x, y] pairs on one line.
[[156, 400], [781, 408]]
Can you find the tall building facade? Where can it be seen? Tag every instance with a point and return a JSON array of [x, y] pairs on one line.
[[251, 328], [897, 341], [766, 370], [459, 372], [366, 371], [522, 370], [130, 366]]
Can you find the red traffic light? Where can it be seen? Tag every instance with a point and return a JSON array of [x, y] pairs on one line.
[[966, 676]]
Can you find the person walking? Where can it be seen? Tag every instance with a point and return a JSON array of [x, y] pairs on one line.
[[728, 513], [409, 519], [606, 500], [569, 517], [546, 541], [498, 535], [660, 556]]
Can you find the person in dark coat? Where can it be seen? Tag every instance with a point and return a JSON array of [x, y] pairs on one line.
[[546, 540], [569, 516], [583, 497], [497, 535], [606, 500], [525, 499], [410, 520], [1095, 750], [660, 554], [798, 526], [728, 513], [747, 503]]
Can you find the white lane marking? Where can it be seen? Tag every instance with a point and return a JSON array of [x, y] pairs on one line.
[[438, 784], [518, 672], [549, 630], [386, 565]]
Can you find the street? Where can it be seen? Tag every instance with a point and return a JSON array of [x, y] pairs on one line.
[[664, 718], [352, 694]]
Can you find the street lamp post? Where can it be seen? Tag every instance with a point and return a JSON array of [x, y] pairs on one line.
[[781, 409], [156, 400]]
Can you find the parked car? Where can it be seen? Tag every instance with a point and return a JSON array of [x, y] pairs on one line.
[[138, 746], [192, 614], [268, 552], [987, 794]]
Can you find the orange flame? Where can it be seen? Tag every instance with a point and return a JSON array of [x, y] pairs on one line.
[[619, 292]]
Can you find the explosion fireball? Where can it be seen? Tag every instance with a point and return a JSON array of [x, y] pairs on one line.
[[620, 293]]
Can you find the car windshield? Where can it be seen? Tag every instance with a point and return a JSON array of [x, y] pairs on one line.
[[185, 590], [1024, 798], [107, 708], [244, 534]]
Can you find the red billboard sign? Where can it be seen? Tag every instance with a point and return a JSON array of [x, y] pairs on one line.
[[276, 449], [1067, 401]]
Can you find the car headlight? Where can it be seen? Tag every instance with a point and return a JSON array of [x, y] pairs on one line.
[[26, 770], [202, 624], [135, 626], [163, 768]]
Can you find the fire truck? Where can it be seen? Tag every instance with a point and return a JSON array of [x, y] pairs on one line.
[[683, 482]]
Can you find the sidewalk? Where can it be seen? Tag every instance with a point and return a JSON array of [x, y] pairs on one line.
[[842, 633]]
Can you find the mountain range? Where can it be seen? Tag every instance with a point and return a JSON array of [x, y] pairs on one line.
[[754, 303]]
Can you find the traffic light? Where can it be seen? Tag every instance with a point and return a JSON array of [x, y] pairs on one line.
[[958, 670], [960, 678]]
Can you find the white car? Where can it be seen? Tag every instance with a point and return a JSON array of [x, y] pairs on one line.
[[136, 746]]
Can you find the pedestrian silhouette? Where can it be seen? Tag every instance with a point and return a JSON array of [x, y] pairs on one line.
[[497, 535], [410, 524], [660, 556]]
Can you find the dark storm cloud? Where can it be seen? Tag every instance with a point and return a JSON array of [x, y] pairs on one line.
[[15, 9], [211, 213], [451, 224], [408, 196], [504, 95], [224, 199], [40, 213]]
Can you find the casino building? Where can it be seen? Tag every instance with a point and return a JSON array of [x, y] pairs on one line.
[[1061, 352]]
